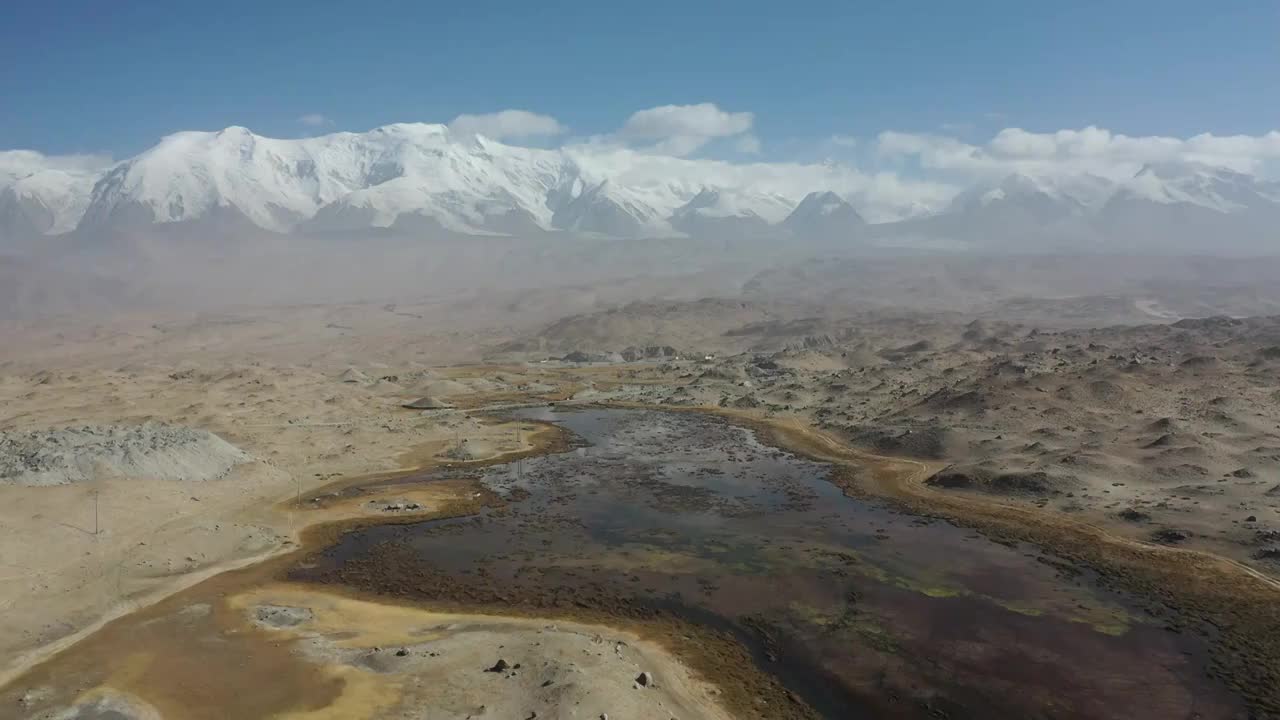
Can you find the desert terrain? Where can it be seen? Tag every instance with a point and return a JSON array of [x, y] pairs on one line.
[[166, 470]]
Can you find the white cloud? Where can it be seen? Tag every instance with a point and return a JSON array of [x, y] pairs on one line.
[[16, 164], [682, 129], [933, 151], [1090, 149], [314, 120], [507, 124], [704, 119]]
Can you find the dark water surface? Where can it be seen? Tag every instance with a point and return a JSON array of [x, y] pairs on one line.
[[860, 610]]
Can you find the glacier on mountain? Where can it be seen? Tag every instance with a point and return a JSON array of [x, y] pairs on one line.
[[427, 176]]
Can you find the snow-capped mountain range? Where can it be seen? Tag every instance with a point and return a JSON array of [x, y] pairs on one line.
[[394, 175], [423, 177], [41, 197]]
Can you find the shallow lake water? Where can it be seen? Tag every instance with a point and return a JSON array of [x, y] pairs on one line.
[[860, 610]]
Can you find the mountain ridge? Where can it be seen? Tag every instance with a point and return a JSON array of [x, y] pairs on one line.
[[426, 177]]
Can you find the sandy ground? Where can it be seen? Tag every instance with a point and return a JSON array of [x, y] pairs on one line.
[[61, 580], [1161, 434], [418, 664], [305, 428], [206, 652]]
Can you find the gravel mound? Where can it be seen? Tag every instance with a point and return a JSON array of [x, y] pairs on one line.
[[81, 454], [281, 616], [427, 402], [471, 450]]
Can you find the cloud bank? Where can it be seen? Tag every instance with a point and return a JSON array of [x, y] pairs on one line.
[[682, 129], [17, 164], [1087, 150], [507, 124]]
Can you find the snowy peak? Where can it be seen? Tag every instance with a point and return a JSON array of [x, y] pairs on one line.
[[273, 183], [1038, 194], [1218, 189], [53, 200], [824, 205], [1179, 207], [476, 186], [43, 196], [1215, 188], [730, 212], [824, 216], [606, 209], [724, 202], [346, 181]]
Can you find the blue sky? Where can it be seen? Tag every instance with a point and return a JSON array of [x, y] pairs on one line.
[[92, 76]]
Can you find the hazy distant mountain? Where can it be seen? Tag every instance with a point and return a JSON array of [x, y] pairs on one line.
[[1172, 208], [420, 179], [1040, 198], [824, 216], [1191, 206], [18, 227], [729, 213], [37, 200], [605, 208], [1213, 188], [1019, 213]]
